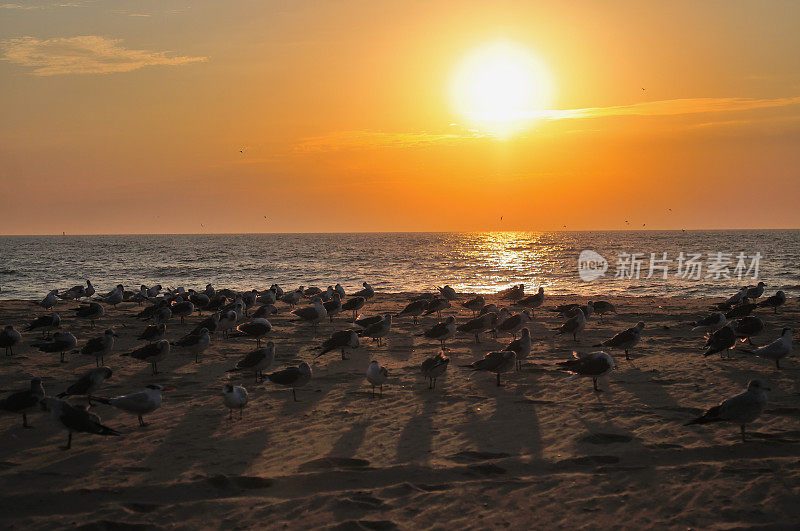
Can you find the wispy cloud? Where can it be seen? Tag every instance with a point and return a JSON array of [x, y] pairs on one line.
[[87, 54], [349, 140], [19, 6], [668, 108], [342, 140]]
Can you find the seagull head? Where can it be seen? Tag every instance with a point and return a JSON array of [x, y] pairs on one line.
[[756, 386]]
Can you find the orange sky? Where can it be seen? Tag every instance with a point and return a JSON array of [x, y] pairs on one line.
[[128, 117]]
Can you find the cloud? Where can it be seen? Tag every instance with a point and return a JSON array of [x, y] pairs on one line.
[[87, 54], [668, 108], [19, 6], [342, 140]]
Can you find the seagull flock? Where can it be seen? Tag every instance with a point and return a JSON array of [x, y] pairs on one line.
[[235, 314]]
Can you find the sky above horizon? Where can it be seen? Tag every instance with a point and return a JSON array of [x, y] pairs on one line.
[[254, 116]]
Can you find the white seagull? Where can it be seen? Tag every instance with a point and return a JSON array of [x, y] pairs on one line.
[[234, 397], [741, 409], [377, 375]]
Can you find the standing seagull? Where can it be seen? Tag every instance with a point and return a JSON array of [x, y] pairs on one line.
[[312, 314], [49, 300], [594, 366], [521, 347], [448, 293], [138, 404], [195, 343], [9, 337], [514, 324], [333, 306], [377, 375], [625, 340], [474, 304], [151, 353], [75, 419], [257, 361], [436, 305], [477, 325], [748, 327], [88, 383], [99, 346], [367, 292], [774, 302], [343, 339], [61, 342], [434, 367], [353, 305], [154, 332], [720, 341], [442, 331], [780, 348], [234, 397], [24, 401], [45, 323], [497, 362], [414, 309], [754, 292], [380, 329], [92, 311], [574, 325], [293, 377], [532, 301], [257, 329], [711, 323], [741, 409]]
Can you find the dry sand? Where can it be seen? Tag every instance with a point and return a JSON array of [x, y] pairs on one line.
[[538, 452]]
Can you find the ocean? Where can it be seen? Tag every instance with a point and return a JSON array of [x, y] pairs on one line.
[[482, 262]]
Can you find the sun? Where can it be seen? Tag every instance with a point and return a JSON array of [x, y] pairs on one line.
[[500, 86]]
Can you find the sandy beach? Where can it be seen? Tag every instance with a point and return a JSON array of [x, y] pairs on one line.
[[537, 452]]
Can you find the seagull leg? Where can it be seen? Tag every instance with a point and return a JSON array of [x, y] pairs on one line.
[[142, 423], [498, 379], [241, 413], [230, 414], [626, 354], [69, 442], [744, 439], [381, 391], [373, 391], [778, 363], [294, 395], [25, 420], [594, 382]]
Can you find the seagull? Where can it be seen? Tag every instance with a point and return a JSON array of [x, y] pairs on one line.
[[414, 309], [514, 324], [742, 310], [138, 404], [45, 323], [367, 292], [257, 329], [49, 300], [312, 314], [588, 310], [377, 375], [774, 301], [200, 300], [780, 348], [99, 346], [182, 309], [748, 327], [434, 367], [532, 301], [521, 347], [310, 292], [265, 311], [594, 366], [333, 306], [194, 343], [9, 337], [731, 301], [73, 293], [354, 304], [291, 298], [513, 293], [343, 339], [379, 329], [720, 341], [497, 362], [442, 331], [754, 292], [268, 297], [340, 290], [710, 323], [474, 304], [741, 409], [152, 353], [24, 401], [92, 311], [234, 397], [153, 332], [61, 342], [477, 325], [436, 305], [603, 307], [75, 419], [448, 293], [257, 361], [115, 296], [625, 340], [88, 383], [227, 321], [293, 377]]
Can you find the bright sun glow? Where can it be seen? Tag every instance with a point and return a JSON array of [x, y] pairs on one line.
[[501, 86]]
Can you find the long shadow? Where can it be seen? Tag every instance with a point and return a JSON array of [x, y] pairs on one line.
[[349, 442]]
